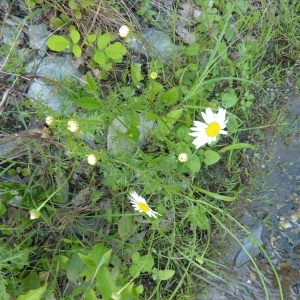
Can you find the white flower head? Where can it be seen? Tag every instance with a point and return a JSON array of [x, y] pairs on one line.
[[183, 157], [124, 31], [49, 120], [153, 75], [73, 125], [140, 204], [92, 159], [34, 214], [206, 133]]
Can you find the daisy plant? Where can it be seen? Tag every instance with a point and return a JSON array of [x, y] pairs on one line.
[[140, 204], [206, 133]]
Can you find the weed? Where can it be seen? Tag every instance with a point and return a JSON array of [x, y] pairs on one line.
[[145, 132]]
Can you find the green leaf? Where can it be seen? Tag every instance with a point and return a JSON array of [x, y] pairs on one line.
[[72, 4], [193, 164], [174, 115], [57, 22], [218, 196], [229, 99], [125, 226], [211, 157], [233, 124], [90, 295], [128, 92], [135, 257], [192, 49], [3, 293], [170, 97], [134, 271], [58, 43], [74, 34], [133, 133], [140, 289], [104, 283], [65, 18], [32, 281], [165, 274], [88, 261], [103, 40], [74, 267], [2, 208], [87, 103], [100, 57], [91, 82], [183, 133], [136, 73], [97, 255], [229, 34], [76, 50], [91, 38], [34, 294], [236, 146], [78, 14], [197, 216], [146, 263], [128, 292], [154, 89], [115, 50], [105, 258]]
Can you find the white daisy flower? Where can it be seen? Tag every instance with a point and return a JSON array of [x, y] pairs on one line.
[[73, 125], [140, 204], [207, 132], [124, 31], [92, 159], [183, 157]]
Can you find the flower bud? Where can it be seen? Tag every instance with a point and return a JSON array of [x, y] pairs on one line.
[[92, 159], [49, 120], [124, 31], [73, 125], [183, 157], [34, 214], [153, 75]]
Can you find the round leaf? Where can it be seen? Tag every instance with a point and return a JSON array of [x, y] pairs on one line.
[[211, 157], [58, 43], [115, 50], [76, 50], [229, 100]]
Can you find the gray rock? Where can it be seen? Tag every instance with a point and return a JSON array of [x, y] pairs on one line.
[[116, 136], [11, 32], [153, 43], [251, 244], [54, 67], [38, 36]]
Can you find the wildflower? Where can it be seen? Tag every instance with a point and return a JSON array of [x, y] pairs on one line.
[[73, 125], [49, 120], [183, 157], [34, 214], [124, 31], [153, 75], [92, 159], [207, 132], [140, 204]]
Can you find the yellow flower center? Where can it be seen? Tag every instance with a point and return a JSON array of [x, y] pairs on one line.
[[144, 207], [213, 129]]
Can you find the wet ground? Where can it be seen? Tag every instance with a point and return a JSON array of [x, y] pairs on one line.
[[276, 205]]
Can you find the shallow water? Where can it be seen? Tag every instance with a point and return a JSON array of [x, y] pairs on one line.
[[277, 204]]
